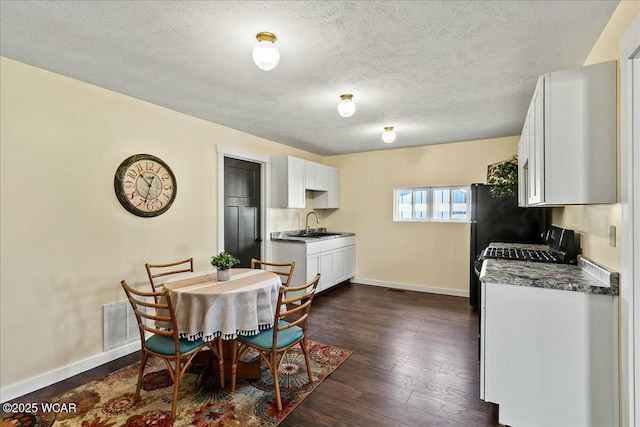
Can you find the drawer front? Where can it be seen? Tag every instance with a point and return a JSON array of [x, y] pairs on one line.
[[313, 248], [340, 242]]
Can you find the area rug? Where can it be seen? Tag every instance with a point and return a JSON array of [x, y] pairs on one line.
[[110, 402]]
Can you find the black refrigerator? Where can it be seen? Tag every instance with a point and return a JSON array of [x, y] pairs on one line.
[[499, 219]]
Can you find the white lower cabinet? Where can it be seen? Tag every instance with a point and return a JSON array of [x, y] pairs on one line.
[[547, 356], [326, 269], [312, 268], [333, 258]]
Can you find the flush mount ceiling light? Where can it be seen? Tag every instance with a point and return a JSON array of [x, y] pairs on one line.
[[265, 53], [388, 135], [346, 106]]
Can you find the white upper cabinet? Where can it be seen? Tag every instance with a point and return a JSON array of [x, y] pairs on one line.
[[287, 182], [567, 150], [316, 176], [329, 199], [290, 177], [535, 131], [523, 158]]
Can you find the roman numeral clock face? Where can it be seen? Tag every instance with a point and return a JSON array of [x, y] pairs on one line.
[[145, 185]]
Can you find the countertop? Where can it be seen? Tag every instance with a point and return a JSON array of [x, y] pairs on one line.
[[587, 276], [287, 236]]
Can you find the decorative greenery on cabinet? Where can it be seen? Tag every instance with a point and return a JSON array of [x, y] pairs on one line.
[[503, 176]]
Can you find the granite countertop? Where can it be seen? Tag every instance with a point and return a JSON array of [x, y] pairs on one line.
[[290, 236], [587, 276]]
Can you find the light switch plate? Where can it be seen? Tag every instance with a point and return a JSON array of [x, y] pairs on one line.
[[612, 236]]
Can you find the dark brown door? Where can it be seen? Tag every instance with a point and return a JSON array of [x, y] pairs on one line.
[[242, 234]]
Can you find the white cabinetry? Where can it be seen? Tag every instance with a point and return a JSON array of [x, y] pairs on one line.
[[550, 349], [316, 176], [326, 269], [306, 269], [287, 182], [333, 258], [567, 150], [533, 134], [523, 154], [329, 199], [290, 177]]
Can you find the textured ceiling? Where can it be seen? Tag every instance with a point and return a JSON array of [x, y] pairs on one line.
[[437, 71]]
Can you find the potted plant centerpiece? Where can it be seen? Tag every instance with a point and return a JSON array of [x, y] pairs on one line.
[[223, 262]]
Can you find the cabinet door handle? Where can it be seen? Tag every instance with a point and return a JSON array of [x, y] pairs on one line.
[[259, 239]]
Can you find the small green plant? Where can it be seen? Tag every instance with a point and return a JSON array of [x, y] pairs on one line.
[[504, 179], [224, 261]]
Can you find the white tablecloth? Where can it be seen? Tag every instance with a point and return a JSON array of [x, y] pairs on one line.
[[206, 308]]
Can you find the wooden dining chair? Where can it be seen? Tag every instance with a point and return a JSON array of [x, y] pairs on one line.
[[159, 273], [159, 318], [290, 328], [285, 270]]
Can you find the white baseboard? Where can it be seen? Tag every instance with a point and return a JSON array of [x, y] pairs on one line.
[[408, 287], [12, 391]]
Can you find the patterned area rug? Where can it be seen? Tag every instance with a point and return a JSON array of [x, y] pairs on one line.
[[110, 401]]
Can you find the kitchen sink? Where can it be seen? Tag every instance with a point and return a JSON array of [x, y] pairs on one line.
[[315, 234]]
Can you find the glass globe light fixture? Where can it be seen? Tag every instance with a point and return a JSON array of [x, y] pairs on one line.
[[346, 106], [265, 53], [388, 135]]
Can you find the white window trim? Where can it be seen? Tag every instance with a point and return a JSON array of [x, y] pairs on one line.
[[430, 211]]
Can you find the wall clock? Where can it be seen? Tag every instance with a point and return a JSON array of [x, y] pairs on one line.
[[145, 185]]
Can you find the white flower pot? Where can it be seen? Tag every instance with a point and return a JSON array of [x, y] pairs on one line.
[[224, 275]]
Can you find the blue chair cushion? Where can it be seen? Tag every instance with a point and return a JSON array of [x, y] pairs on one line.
[[265, 338], [164, 344]]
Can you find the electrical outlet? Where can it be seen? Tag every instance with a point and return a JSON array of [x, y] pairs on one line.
[[612, 236]]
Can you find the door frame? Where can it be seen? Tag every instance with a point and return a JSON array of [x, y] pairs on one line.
[[264, 212], [630, 227]]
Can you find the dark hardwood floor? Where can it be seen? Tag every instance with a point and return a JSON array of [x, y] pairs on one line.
[[414, 362]]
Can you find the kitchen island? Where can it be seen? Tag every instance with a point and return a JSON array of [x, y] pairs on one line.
[[548, 350]]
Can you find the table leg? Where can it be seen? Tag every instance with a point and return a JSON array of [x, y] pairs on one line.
[[212, 367], [245, 370]]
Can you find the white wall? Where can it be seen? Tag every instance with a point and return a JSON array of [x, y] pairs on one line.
[[66, 241], [430, 256]]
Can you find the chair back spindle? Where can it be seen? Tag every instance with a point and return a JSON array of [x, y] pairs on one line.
[[283, 269], [159, 273]]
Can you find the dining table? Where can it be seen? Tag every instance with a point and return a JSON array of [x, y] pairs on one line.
[[207, 308]]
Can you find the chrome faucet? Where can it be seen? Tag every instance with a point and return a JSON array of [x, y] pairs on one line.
[[307, 229]]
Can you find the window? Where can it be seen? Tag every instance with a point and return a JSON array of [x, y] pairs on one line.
[[441, 204], [460, 204], [431, 204]]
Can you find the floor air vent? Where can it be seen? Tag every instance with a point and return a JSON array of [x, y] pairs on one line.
[[120, 326], [395, 290]]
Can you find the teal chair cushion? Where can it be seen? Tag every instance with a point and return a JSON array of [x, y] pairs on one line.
[[264, 339], [164, 344]]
